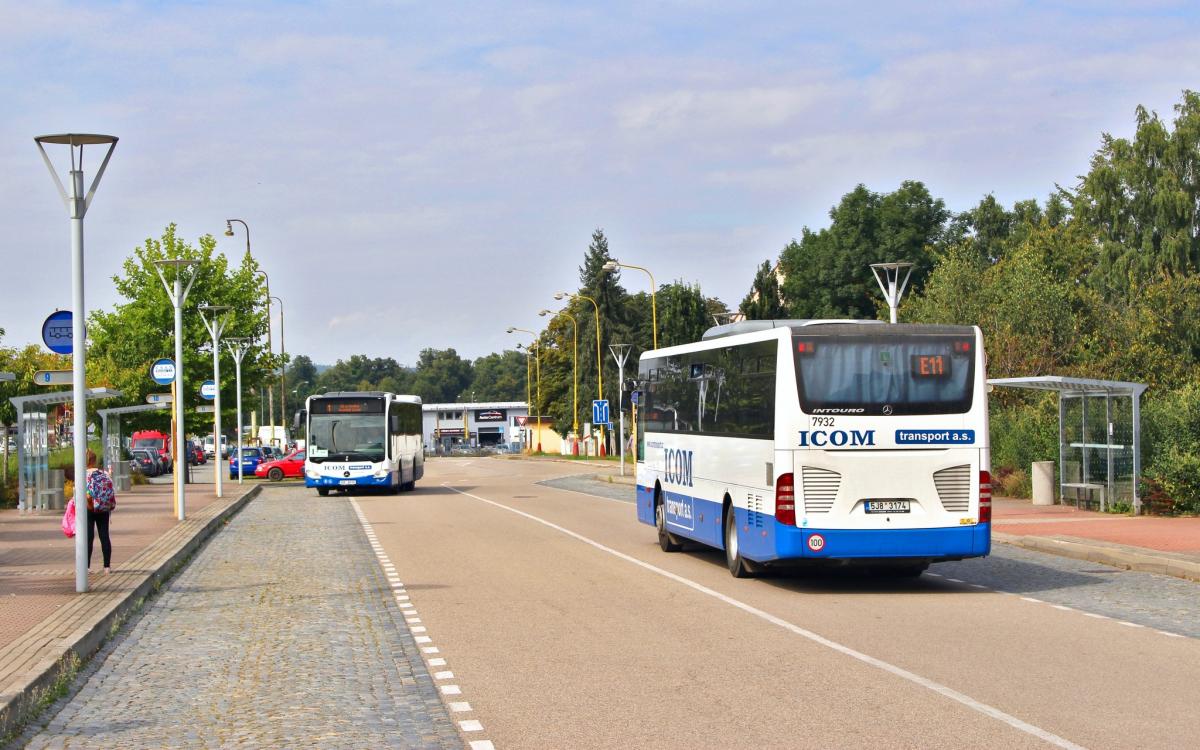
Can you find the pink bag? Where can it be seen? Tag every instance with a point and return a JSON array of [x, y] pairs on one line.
[[68, 522]]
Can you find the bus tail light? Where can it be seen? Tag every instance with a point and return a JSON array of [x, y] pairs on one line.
[[985, 497], [785, 500]]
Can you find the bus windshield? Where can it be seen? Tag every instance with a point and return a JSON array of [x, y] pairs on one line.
[[885, 374], [346, 437]]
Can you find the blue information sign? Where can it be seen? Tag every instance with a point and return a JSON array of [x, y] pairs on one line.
[[600, 412], [208, 389], [57, 331], [163, 372]]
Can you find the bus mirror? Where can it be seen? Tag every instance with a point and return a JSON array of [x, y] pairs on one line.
[[299, 419]]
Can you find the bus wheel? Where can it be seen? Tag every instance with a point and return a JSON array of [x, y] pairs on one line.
[[323, 491], [666, 540], [275, 474], [739, 566]]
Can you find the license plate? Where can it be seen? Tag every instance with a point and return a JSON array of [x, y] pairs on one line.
[[347, 481], [886, 506]]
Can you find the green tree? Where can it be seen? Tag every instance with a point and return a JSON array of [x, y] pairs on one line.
[[1141, 198], [827, 273], [124, 342], [441, 377], [499, 377], [764, 301], [302, 377], [605, 288], [683, 314]]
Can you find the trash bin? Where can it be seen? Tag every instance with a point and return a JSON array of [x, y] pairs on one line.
[[1043, 482]]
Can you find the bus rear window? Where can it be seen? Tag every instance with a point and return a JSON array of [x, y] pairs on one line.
[[885, 374]]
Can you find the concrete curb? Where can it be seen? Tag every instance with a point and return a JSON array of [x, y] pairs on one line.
[[1108, 553], [78, 630]]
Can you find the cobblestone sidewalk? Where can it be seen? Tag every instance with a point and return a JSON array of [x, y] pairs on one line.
[[280, 633]]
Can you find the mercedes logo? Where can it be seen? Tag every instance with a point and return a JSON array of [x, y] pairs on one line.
[[887, 409], [346, 474]]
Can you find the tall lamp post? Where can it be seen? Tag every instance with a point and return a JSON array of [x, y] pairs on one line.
[[282, 370], [215, 328], [574, 365], [528, 399], [178, 296], [77, 203], [613, 265], [237, 347], [537, 359], [599, 361], [267, 281]]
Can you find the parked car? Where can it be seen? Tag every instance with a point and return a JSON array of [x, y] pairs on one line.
[[291, 465], [145, 462], [251, 458], [195, 454]]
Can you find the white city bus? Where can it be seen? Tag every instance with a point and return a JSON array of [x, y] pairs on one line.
[[363, 439], [832, 442]]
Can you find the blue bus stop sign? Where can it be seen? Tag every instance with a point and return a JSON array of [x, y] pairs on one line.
[[600, 412], [57, 331], [163, 371], [208, 389]]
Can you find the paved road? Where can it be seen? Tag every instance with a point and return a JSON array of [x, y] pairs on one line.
[[1164, 603], [282, 632], [564, 625]]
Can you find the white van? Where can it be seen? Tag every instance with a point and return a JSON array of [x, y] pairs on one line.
[[208, 446]]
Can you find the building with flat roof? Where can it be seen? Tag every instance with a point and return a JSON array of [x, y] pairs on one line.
[[488, 423]]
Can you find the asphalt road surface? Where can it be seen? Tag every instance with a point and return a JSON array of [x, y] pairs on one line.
[[553, 617]]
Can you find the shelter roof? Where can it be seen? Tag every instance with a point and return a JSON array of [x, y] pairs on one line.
[[1073, 386]]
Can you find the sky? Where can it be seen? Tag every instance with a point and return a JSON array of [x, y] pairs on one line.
[[421, 174]]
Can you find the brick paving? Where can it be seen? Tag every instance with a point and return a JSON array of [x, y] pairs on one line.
[[280, 633]]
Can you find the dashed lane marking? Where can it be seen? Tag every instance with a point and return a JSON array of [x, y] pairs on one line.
[[408, 609], [892, 669]]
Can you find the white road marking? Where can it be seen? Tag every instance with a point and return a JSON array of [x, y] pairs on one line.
[[418, 629], [956, 580], [482, 745], [892, 669], [447, 675], [1031, 599], [450, 689], [470, 725], [439, 662], [412, 620], [977, 585], [1173, 635], [1129, 624], [1098, 617], [1063, 608], [430, 650], [458, 707], [935, 575], [424, 639]]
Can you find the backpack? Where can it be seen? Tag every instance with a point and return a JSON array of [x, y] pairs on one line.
[[101, 497]]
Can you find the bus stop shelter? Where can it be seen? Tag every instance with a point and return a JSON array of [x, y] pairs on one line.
[[1099, 436], [33, 444], [110, 421]]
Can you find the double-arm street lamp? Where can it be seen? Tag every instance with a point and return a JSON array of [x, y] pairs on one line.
[[77, 203], [178, 296], [238, 347], [216, 327], [599, 362], [267, 281], [613, 265], [574, 365], [538, 364]]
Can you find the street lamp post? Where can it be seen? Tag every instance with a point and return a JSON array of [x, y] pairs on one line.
[[574, 366], [613, 265], [267, 281], [238, 348], [282, 371], [599, 362], [528, 400], [537, 359], [77, 203], [215, 328], [178, 296]]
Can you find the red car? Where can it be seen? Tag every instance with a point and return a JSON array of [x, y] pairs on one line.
[[291, 465]]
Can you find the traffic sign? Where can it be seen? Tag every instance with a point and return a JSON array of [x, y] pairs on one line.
[[159, 398], [600, 412], [58, 331], [208, 389], [163, 371], [52, 377], [206, 409], [633, 398]]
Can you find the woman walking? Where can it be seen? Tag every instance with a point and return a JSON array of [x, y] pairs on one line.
[[102, 499]]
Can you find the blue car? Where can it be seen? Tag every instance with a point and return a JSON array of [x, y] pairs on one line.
[[251, 458]]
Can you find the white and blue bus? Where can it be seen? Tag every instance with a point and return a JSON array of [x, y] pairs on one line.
[[363, 439], [820, 442]]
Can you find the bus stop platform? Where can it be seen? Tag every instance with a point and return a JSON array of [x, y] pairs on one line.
[[43, 620], [1153, 544]]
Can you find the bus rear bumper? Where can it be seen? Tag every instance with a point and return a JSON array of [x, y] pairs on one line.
[[933, 545]]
